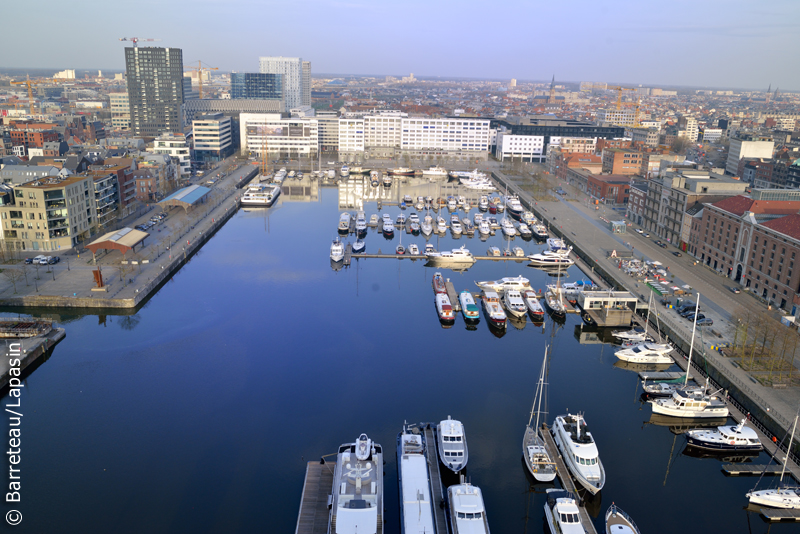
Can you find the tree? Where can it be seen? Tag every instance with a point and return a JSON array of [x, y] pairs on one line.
[[680, 144], [13, 275]]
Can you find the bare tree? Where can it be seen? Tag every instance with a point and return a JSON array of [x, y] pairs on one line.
[[13, 275], [679, 144]]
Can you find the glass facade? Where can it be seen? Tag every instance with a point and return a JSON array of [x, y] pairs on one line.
[[255, 85]]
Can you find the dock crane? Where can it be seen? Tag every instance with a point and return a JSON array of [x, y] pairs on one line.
[[619, 93], [135, 40], [30, 83], [199, 70]]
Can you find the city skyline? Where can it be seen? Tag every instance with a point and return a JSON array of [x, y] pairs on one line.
[[715, 44]]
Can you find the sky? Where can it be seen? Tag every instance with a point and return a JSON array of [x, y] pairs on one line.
[[702, 43]]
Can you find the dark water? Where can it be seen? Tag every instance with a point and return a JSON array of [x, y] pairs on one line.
[[198, 413]]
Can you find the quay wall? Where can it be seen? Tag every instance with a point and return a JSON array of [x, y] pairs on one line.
[[33, 350]]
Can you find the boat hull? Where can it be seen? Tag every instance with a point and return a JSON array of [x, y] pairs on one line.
[[786, 499], [721, 447], [540, 475], [659, 408]]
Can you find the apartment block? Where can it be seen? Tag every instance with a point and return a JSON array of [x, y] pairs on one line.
[[284, 138], [609, 188], [622, 161], [523, 147], [212, 137], [120, 108], [32, 138], [155, 89], [619, 117], [177, 147], [295, 73]]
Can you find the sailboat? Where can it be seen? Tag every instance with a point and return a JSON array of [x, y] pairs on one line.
[[688, 402], [634, 334], [783, 496], [537, 459]]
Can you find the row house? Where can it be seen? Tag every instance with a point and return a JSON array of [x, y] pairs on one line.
[[636, 201]]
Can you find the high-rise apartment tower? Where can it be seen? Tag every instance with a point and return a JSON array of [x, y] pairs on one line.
[[155, 89]]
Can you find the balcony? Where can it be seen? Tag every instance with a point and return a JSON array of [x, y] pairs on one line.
[[55, 204], [55, 225]]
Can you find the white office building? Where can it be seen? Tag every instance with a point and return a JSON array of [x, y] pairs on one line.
[[176, 146], [524, 147], [284, 138], [747, 147], [383, 133], [212, 137], [451, 136], [351, 138], [621, 117], [296, 74], [120, 111]]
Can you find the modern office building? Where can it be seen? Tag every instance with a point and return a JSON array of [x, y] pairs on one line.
[[212, 137], [284, 138], [256, 85], [176, 146], [621, 117], [120, 111], [747, 146], [155, 89], [550, 126], [522, 147], [294, 72], [230, 108]]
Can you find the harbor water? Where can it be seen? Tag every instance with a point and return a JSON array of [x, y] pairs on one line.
[[199, 412]]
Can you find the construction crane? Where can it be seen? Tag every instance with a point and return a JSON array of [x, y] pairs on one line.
[[199, 70], [30, 83], [619, 93], [135, 40]]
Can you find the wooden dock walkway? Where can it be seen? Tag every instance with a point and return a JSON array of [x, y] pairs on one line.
[[452, 295], [435, 477], [775, 515], [737, 470], [314, 513], [655, 376], [520, 259], [566, 479], [348, 254]]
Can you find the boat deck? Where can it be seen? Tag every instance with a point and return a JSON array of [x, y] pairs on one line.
[[435, 477], [314, 513], [566, 479], [737, 470]]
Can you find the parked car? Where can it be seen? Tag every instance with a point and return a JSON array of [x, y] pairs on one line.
[[705, 321], [686, 306], [53, 260], [639, 231], [646, 234], [658, 242], [690, 317], [561, 192], [735, 290], [689, 312], [45, 260], [662, 245], [676, 253], [28, 261]]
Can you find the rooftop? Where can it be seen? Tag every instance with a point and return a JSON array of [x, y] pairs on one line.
[[788, 225], [740, 204], [54, 182]]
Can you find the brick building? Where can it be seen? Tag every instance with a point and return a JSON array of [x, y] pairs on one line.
[[636, 201], [622, 161], [609, 188], [33, 138]]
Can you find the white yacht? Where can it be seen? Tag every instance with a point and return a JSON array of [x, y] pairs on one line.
[[427, 225], [359, 246], [388, 228], [557, 246], [451, 204], [435, 172], [483, 228], [493, 309], [441, 225], [635, 334], [518, 283], [579, 451], [337, 250], [331, 173], [561, 512], [726, 438], [618, 522], [512, 299], [457, 256], [518, 252], [357, 494], [467, 513], [452, 444], [413, 249], [261, 195], [691, 403], [528, 218], [477, 218], [532, 302], [456, 228], [646, 353], [361, 223], [508, 227], [401, 219], [514, 206], [524, 230], [373, 219], [540, 231], [416, 504], [483, 203], [787, 497], [344, 223], [548, 259], [537, 459]]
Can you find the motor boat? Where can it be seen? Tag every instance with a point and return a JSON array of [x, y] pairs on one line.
[[493, 309], [562, 513], [413, 217], [413, 249], [548, 259], [483, 203], [645, 353], [337, 250], [528, 218], [579, 451], [500, 205], [483, 228], [261, 195], [401, 219], [331, 173], [451, 204], [361, 223], [518, 283], [531, 299], [688, 403], [524, 230], [657, 390], [493, 223], [387, 180], [373, 219], [374, 178], [494, 252], [514, 206], [469, 228], [438, 283], [388, 228], [452, 444], [618, 522], [558, 246], [436, 172], [400, 249], [540, 231], [344, 171], [726, 438], [359, 246], [466, 511], [415, 227], [634, 334], [444, 309], [344, 223], [457, 256], [508, 227], [518, 252], [456, 228], [468, 307], [512, 299], [441, 225], [356, 501]]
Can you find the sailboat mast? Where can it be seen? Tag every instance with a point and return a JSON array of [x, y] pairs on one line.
[[788, 451], [647, 321], [541, 389], [691, 344]]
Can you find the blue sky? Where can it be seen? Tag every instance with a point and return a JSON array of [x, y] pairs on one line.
[[702, 42]]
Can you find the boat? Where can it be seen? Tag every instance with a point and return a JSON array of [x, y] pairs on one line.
[[518, 283], [518, 252], [359, 246], [552, 299], [413, 249], [373, 219], [451, 204], [493, 223], [508, 227], [261, 195], [618, 522], [483, 228], [579, 451], [413, 217], [512, 299], [387, 180], [634, 334], [388, 228], [428, 249], [401, 171], [466, 511], [435, 171], [548, 259], [416, 504], [493, 251], [537, 459], [344, 171], [483, 203], [414, 226], [456, 228], [524, 230], [441, 225], [539, 231], [444, 309], [562, 513], [787, 497], [452, 444], [726, 438], [461, 200], [359, 170], [468, 307], [514, 206], [646, 353], [492, 206], [427, 225], [454, 218], [500, 205], [400, 249], [374, 178], [528, 218], [331, 173], [493, 309], [657, 390], [457, 256], [469, 228], [401, 219], [531, 299], [438, 283], [344, 223], [291, 174], [356, 500], [361, 223], [337, 250], [407, 199], [477, 218], [558, 246]]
